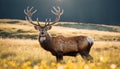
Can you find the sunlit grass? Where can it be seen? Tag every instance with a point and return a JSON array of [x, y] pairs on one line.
[[23, 53], [19, 50], [23, 29]]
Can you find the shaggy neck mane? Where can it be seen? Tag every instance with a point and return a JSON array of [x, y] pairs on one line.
[[46, 44]]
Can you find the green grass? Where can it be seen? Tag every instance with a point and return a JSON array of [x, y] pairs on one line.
[[4, 34], [91, 27]]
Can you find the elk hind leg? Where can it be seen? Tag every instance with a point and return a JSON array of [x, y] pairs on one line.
[[86, 56]]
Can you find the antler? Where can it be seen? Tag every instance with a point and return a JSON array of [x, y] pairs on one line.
[[58, 12], [28, 12]]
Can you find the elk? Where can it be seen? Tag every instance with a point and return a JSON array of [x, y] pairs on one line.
[[60, 46]]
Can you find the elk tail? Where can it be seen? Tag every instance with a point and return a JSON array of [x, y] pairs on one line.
[[90, 40]]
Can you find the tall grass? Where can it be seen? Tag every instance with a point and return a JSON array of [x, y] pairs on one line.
[[26, 53], [20, 49]]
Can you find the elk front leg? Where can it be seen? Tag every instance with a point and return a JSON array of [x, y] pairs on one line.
[[59, 57]]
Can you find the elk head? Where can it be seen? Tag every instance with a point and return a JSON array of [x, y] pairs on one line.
[[48, 24]]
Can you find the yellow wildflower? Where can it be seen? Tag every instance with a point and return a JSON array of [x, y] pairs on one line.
[[12, 63]]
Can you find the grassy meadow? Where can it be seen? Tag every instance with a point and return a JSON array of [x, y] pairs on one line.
[[19, 47]]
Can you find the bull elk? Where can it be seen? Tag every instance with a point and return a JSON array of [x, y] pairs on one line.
[[60, 46]]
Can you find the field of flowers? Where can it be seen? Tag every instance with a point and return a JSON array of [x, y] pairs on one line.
[[43, 65], [27, 54], [19, 48]]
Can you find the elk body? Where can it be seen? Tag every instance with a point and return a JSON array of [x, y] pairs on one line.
[[60, 46]]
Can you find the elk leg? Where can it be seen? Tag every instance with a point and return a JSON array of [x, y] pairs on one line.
[[86, 56], [59, 57], [88, 49]]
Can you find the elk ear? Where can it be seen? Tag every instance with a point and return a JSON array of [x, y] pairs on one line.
[[36, 27], [48, 27]]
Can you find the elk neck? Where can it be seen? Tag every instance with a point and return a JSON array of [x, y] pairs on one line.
[[46, 41]]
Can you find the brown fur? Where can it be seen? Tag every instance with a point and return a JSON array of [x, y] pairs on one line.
[[61, 46]]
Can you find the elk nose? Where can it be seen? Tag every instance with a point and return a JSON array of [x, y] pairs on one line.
[[42, 33]]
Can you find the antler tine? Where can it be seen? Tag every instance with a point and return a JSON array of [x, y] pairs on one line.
[[30, 9], [34, 12], [28, 12], [57, 11], [27, 9], [62, 12], [46, 22], [38, 22], [49, 21]]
